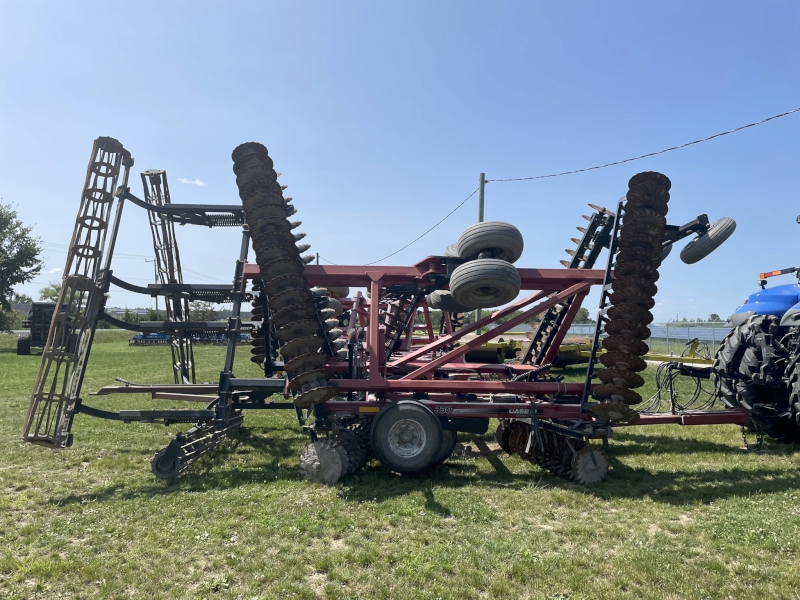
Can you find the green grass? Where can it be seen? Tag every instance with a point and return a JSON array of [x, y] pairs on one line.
[[685, 513]]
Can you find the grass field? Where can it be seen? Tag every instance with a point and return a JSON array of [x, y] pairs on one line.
[[684, 513]]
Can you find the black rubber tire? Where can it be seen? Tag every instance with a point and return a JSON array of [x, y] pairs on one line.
[[665, 251], [339, 291], [729, 366], [503, 239], [449, 439], [162, 469], [24, 344], [443, 300], [451, 251], [703, 245], [485, 283], [736, 362], [422, 420]]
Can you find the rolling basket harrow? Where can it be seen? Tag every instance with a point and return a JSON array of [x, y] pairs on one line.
[[368, 375]]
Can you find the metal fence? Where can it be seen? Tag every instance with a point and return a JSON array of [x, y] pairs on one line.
[[674, 338]]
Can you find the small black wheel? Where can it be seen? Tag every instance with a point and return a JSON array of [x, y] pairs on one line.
[[502, 239], [665, 250], [449, 439], [24, 344], [406, 437], [443, 300], [485, 283], [164, 468], [700, 247]]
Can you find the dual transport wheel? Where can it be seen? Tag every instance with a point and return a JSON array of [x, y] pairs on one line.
[[488, 278]]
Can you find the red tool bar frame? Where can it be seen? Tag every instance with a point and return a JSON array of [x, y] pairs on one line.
[[548, 280], [549, 410], [421, 363], [483, 338]]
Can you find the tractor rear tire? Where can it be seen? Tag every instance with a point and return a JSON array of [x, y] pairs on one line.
[[501, 238], [700, 247], [736, 362], [24, 344], [443, 300], [485, 283], [406, 437]]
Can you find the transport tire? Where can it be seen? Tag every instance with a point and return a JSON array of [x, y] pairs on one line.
[[485, 283], [451, 251], [406, 437], [443, 300], [665, 251], [24, 344], [339, 292], [703, 245], [449, 439], [503, 239]]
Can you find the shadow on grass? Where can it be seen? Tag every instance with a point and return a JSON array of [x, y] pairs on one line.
[[666, 444], [272, 452]]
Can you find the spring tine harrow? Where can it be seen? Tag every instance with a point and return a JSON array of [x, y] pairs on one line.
[[168, 271], [548, 333], [58, 384]]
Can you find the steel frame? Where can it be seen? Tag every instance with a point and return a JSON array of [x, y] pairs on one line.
[[430, 369], [168, 271]]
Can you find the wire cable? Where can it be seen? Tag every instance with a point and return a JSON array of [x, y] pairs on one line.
[[326, 260], [447, 216], [611, 164], [627, 160]]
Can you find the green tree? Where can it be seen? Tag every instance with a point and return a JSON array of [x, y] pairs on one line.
[[582, 317], [202, 311], [715, 318], [21, 298], [50, 292], [19, 260], [154, 315], [130, 317]]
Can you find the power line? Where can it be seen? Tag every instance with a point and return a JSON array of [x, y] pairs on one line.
[[326, 260], [627, 160], [204, 276], [54, 248], [429, 230], [611, 164]]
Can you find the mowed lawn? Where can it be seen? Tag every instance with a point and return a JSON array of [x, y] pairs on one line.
[[686, 512]]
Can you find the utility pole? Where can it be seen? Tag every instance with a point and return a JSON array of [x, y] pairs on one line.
[[481, 187], [155, 276], [317, 257], [480, 196]]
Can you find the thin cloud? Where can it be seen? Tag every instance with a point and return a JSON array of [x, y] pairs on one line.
[[56, 270], [191, 181]]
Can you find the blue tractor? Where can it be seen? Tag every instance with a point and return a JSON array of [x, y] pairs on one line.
[[758, 363]]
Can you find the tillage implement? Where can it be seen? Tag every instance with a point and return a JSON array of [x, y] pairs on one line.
[[367, 374]]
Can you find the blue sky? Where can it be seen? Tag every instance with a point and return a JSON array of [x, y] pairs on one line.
[[381, 115]]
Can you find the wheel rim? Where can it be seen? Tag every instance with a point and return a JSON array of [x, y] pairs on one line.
[[407, 438]]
